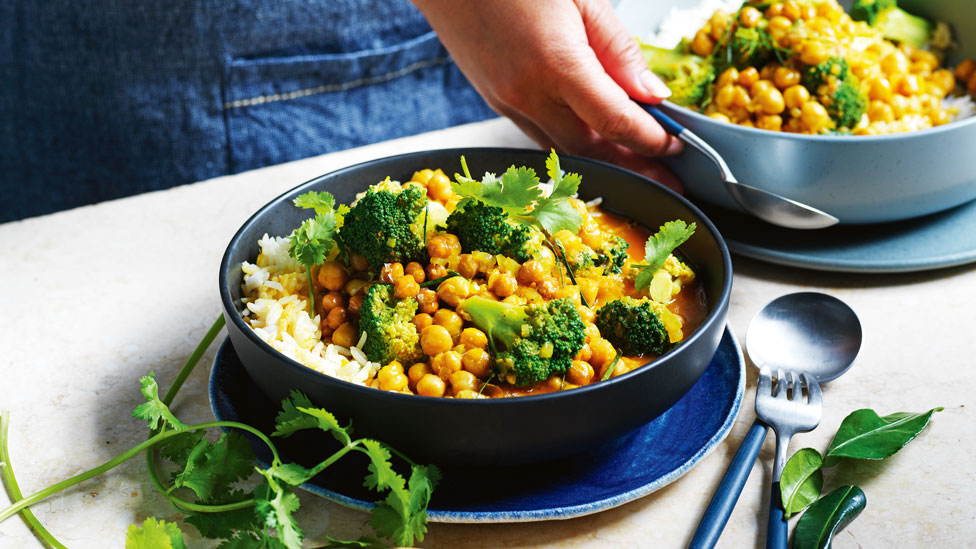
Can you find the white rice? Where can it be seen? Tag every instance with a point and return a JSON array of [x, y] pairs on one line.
[[280, 317]]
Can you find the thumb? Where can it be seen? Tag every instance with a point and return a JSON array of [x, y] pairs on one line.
[[619, 53]]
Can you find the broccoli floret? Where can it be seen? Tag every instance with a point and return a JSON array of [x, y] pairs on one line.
[[748, 47], [688, 76], [838, 90], [612, 255], [530, 343], [387, 224], [389, 328], [485, 228], [633, 326], [893, 22]]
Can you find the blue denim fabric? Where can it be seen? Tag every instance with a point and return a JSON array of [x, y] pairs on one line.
[[106, 98]]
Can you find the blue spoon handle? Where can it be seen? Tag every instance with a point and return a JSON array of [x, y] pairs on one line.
[[664, 120], [776, 530], [720, 507]]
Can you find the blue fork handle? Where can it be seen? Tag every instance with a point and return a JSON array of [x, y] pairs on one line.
[[664, 120], [720, 507], [776, 529]]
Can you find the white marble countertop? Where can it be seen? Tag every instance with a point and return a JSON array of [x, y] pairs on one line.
[[95, 298]]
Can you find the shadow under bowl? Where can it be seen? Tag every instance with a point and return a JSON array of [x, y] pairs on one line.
[[491, 431]]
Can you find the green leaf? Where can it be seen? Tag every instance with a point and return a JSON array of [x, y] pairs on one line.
[[565, 185], [517, 189], [293, 473], [827, 516], [290, 419], [154, 534], [557, 216], [274, 508], [156, 414], [252, 540], [658, 247], [381, 474], [223, 524], [802, 481], [321, 201], [865, 435], [312, 241], [365, 542], [211, 469]]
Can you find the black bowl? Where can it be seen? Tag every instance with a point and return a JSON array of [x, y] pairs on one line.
[[492, 431]]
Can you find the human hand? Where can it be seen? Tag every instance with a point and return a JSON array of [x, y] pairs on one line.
[[564, 71]]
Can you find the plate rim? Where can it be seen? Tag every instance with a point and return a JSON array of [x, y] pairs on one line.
[[535, 515]]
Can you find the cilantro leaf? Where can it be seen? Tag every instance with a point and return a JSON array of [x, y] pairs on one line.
[[225, 523], [657, 249], [178, 448], [210, 469], [291, 419], [252, 540], [402, 515], [154, 411], [313, 239], [154, 534], [365, 542], [274, 507], [565, 185], [320, 201], [328, 423], [293, 474]]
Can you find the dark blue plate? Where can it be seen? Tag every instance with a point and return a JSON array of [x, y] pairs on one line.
[[607, 476]]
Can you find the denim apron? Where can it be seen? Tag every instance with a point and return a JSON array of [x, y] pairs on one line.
[[106, 98]]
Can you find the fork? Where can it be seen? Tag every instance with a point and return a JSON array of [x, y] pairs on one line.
[[787, 415]]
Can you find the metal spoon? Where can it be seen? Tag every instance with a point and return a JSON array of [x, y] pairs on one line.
[[770, 207], [808, 332]]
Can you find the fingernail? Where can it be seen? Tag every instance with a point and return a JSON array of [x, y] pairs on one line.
[[675, 146], [654, 84]]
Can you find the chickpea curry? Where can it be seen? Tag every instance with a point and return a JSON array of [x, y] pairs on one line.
[[475, 289], [807, 66]]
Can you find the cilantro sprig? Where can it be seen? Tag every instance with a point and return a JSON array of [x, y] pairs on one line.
[[657, 249], [314, 239], [206, 477]]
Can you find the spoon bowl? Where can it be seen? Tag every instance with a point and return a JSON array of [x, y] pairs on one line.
[[807, 332]]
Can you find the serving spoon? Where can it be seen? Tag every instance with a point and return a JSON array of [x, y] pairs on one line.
[[808, 332], [768, 206]]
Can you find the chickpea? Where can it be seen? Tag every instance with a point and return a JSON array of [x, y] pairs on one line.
[[445, 364], [435, 339], [358, 262], [463, 381], [423, 176], [814, 53], [435, 271], [879, 111], [749, 17], [748, 76], [443, 246], [965, 70], [474, 338], [592, 332], [591, 235], [391, 377], [879, 89], [530, 272], [584, 353], [771, 101], [702, 44], [548, 287], [345, 335], [439, 187], [450, 320], [504, 285], [729, 76], [814, 116], [355, 302], [785, 77], [775, 10], [405, 286], [586, 314], [332, 276], [740, 97], [760, 87], [416, 270], [603, 352], [427, 301], [771, 122], [791, 10], [580, 373], [778, 25], [467, 266], [332, 300], [422, 320], [432, 386], [453, 291], [723, 97], [391, 272], [546, 258], [795, 96], [477, 361], [416, 372], [335, 317]]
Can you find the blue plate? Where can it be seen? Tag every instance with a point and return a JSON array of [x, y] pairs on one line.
[[605, 477], [936, 241]]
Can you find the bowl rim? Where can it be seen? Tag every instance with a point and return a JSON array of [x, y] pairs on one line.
[[237, 319], [833, 139]]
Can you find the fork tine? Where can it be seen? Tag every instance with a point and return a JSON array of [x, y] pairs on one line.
[[813, 391], [764, 385], [798, 382], [781, 384]]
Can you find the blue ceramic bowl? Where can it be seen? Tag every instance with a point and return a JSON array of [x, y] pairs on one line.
[[858, 179], [493, 431]]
